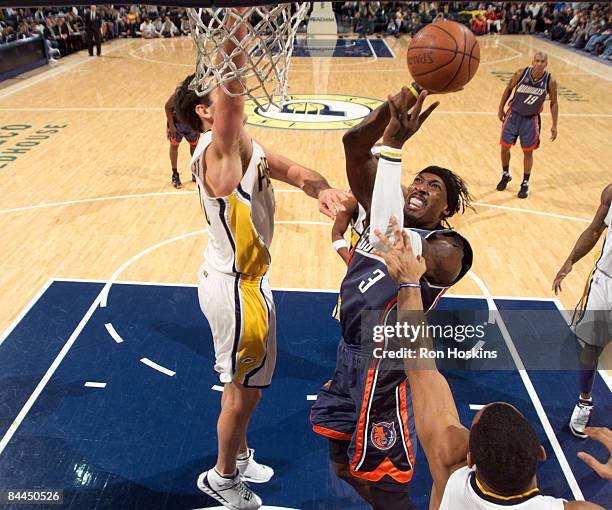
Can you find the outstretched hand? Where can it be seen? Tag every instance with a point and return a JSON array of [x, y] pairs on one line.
[[331, 201], [403, 124], [402, 264], [563, 272], [604, 436]]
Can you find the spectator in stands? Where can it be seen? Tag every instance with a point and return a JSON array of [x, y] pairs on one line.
[[185, 27], [528, 24], [63, 37], [493, 21], [598, 38], [24, 32], [168, 28], [479, 26], [513, 21], [147, 30]]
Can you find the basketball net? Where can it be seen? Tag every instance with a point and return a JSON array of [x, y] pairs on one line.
[[267, 45]]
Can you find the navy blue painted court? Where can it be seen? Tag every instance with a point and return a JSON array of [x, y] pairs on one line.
[[344, 48], [140, 441]]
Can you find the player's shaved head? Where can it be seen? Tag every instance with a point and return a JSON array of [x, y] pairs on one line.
[[505, 448], [540, 55]]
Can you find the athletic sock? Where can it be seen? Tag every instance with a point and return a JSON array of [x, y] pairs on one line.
[[526, 179], [506, 169], [586, 378], [244, 456], [174, 172]]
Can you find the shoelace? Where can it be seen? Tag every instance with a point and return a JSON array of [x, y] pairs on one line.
[[244, 491], [583, 415]]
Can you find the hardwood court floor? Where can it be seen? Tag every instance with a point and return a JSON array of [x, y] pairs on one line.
[[90, 200]]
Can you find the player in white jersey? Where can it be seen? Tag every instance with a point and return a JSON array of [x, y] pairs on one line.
[[493, 465], [593, 318], [233, 175]]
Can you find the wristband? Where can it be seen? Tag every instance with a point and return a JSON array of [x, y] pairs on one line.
[[340, 243], [409, 286], [390, 154], [414, 88]]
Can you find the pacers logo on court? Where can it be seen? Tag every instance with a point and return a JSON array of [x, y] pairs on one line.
[[383, 435], [313, 112]]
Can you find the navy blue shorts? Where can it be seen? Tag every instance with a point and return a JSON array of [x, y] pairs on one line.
[[183, 131], [528, 128], [369, 407]]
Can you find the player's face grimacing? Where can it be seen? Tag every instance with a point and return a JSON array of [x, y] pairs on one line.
[[426, 201]]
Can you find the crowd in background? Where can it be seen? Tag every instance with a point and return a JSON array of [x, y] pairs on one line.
[[582, 25], [64, 27]]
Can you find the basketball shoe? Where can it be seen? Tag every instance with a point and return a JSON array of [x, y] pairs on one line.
[[524, 191], [176, 181], [581, 417], [231, 492], [503, 183], [251, 471]]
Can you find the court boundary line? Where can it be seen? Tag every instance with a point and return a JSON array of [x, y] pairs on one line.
[[29, 305], [50, 73], [531, 391]]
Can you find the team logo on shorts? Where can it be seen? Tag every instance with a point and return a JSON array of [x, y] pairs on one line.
[[313, 112], [383, 435]]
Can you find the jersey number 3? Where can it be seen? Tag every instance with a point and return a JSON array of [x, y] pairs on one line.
[[377, 275]]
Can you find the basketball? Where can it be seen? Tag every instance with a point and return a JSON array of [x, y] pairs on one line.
[[443, 56]]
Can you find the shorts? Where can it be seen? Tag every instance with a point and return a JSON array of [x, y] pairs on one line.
[[593, 322], [528, 128], [183, 131], [242, 318], [370, 408]]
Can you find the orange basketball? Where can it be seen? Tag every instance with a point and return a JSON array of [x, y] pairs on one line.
[[443, 56]]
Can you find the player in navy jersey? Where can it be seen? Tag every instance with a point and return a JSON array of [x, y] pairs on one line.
[[522, 119], [366, 410]]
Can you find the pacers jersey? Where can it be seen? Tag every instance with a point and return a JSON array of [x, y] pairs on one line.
[[357, 225], [368, 286], [530, 94], [240, 225], [464, 492], [604, 263]]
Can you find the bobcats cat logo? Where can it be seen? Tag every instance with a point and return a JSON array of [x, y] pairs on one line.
[[383, 435]]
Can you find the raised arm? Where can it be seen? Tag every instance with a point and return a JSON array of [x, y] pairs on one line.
[[230, 143], [358, 141], [341, 224], [516, 77], [310, 182], [587, 240], [554, 108], [444, 439], [387, 195]]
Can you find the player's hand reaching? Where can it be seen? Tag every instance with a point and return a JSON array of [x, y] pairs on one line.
[[403, 265], [331, 201], [563, 272], [604, 436], [501, 114], [403, 124]]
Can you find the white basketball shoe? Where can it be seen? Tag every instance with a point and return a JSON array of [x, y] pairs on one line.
[[232, 492], [251, 471]]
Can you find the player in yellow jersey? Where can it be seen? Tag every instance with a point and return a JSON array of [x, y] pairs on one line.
[[233, 174]]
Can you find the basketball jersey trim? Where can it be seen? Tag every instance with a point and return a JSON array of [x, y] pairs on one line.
[[253, 372], [497, 499], [226, 227], [238, 325]]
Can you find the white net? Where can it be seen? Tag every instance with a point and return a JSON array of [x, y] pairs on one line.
[[267, 45]]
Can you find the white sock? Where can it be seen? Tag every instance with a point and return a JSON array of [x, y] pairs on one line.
[[244, 455], [218, 480]]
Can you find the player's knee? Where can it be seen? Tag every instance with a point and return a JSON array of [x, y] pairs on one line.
[[342, 471]]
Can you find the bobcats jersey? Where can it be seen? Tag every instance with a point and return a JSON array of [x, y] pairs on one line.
[[464, 492], [530, 94], [368, 286], [604, 263], [241, 224]]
